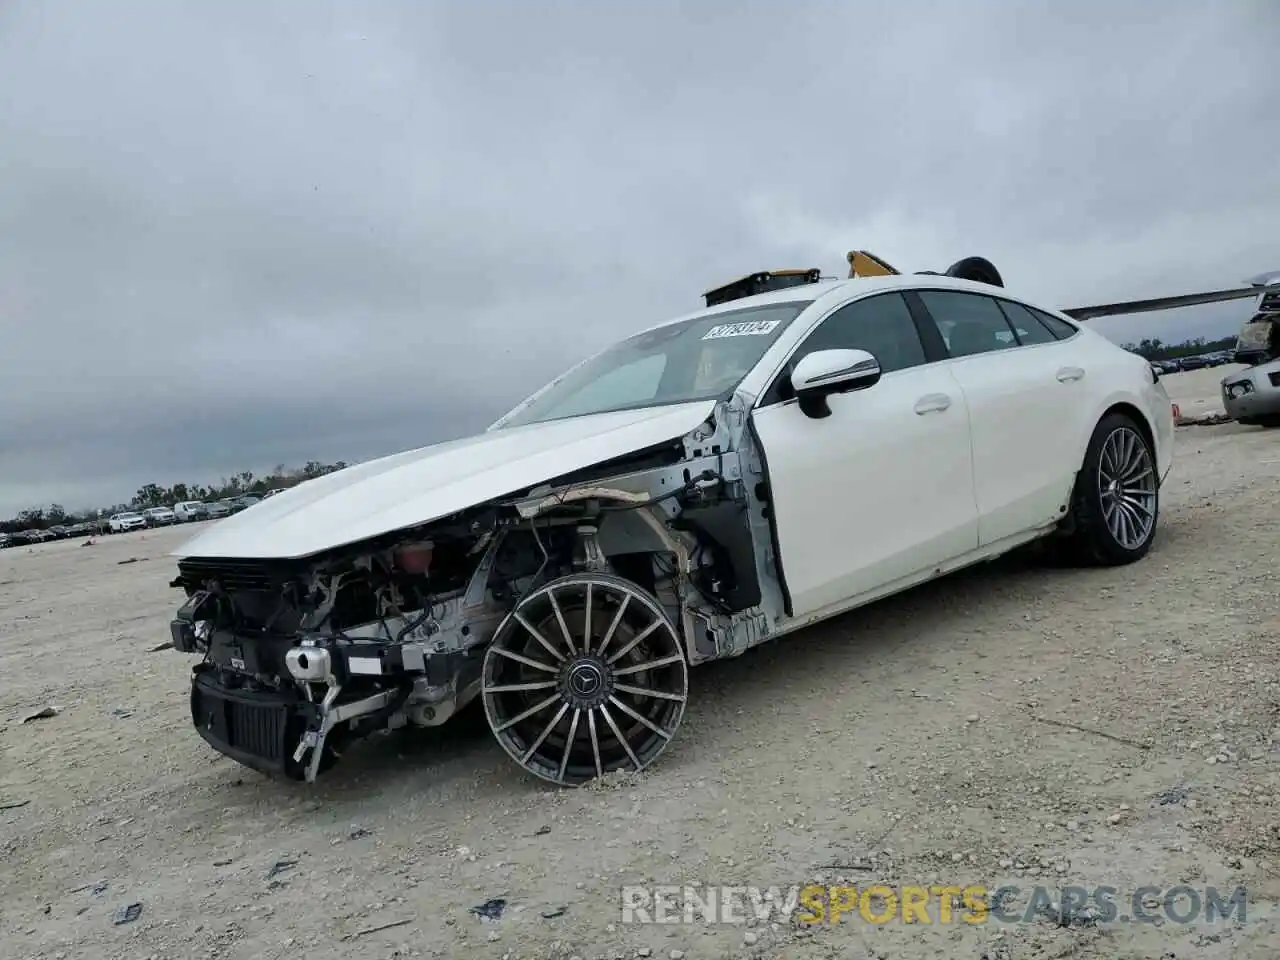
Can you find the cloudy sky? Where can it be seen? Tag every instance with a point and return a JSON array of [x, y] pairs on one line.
[[236, 234]]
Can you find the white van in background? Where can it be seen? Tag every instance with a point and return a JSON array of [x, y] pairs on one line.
[[190, 510]]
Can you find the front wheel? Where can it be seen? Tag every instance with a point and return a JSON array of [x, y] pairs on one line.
[[585, 676], [1116, 501]]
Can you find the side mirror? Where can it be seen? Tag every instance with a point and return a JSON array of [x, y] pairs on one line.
[[824, 372]]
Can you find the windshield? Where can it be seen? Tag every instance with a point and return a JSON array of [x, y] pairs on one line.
[[691, 360]]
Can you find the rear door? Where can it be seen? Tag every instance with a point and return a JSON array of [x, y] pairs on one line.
[[1024, 388], [883, 487]]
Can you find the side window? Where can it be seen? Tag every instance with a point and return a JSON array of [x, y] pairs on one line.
[[969, 322], [1026, 324], [1057, 326], [881, 325]]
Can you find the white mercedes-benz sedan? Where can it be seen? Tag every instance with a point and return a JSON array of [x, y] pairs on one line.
[[707, 485]]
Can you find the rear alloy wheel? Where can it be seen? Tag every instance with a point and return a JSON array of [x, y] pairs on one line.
[[585, 676], [1116, 501]]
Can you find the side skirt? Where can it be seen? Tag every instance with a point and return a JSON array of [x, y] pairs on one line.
[[989, 552]]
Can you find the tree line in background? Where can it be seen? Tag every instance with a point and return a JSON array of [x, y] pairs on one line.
[[154, 495], [1155, 349]]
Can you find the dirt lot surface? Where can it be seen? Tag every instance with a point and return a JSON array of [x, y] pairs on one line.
[[1198, 392], [1015, 724]]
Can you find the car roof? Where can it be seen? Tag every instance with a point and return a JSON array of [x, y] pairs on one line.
[[837, 288]]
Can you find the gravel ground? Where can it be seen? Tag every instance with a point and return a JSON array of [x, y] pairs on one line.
[[1198, 392], [1015, 724]]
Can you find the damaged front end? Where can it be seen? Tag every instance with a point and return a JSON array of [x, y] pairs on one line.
[[571, 609], [300, 657]]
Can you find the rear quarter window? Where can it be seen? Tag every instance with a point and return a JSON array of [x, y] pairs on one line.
[[1057, 326], [1029, 327]]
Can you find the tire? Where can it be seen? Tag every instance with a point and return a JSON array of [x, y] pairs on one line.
[[1115, 505], [601, 650]]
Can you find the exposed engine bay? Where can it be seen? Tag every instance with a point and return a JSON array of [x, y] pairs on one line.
[[573, 610]]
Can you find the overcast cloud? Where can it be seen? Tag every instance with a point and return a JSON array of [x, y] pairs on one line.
[[233, 235]]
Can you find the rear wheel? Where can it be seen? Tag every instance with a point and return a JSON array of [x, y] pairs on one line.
[[1116, 501]]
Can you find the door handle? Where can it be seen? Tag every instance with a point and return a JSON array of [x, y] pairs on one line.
[[1070, 374], [932, 403]]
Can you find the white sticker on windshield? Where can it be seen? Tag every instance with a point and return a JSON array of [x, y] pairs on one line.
[[747, 328]]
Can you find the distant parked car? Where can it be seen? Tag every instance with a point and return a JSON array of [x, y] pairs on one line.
[[1192, 363], [216, 509], [190, 510], [122, 522], [159, 516], [6, 540], [273, 491], [248, 501]]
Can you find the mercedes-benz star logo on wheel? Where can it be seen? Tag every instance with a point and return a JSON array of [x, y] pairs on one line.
[[585, 679]]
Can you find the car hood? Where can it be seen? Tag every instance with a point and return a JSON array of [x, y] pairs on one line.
[[418, 486]]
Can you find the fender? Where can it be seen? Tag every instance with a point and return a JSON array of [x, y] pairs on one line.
[[1142, 406]]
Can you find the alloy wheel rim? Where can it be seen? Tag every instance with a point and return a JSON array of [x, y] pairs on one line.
[[584, 677], [1127, 487]]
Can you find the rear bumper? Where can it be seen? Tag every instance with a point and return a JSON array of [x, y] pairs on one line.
[[1260, 396], [1259, 404], [1159, 409]]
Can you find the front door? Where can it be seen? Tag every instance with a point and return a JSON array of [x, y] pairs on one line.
[[881, 489]]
